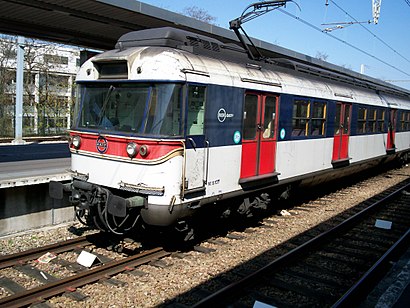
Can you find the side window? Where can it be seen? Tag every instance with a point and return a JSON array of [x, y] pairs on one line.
[[408, 120], [269, 117], [371, 123], [300, 118], [361, 120], [196, 110], [337, 119], [318, 119], [346, 119], [249, 117], [309, 118], [405, 121], [380, 121]]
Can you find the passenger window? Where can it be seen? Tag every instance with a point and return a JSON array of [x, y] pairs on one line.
[[300, 118], [346, 120], [371, 123], [361, 120], [196, 110], [337, 119], [309, 118], [318, 119], [408, 120], [269, 117], [249, 117], [405, 121], [380, 121]]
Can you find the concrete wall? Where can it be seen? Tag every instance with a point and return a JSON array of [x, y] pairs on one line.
[[28, 207]]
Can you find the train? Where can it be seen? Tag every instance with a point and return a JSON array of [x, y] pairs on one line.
[[172, 123]]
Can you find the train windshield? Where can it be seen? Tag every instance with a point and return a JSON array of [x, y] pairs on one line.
[[143, 109]]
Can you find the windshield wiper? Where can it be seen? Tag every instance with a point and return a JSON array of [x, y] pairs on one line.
[[104, 106]]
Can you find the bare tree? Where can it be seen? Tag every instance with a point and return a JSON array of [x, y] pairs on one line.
[[47, 88], [322, 56], [346, 66], [7, 55], [200, 14]]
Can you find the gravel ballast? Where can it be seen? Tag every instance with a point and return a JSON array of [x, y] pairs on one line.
[[163, 284]]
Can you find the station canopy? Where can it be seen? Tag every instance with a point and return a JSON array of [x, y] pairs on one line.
[[98, 24], [92, 23]]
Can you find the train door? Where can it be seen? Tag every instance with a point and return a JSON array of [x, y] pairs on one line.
[[259, 137], [195, 144], [391, 132], [341, 135]]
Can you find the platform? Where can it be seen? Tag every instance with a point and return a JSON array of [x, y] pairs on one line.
[[394, 289], [30, 172]]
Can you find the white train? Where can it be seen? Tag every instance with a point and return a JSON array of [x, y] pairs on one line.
[[171, 121]]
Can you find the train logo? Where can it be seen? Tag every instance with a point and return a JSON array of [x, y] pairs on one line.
[[102, 144], [222, 115]]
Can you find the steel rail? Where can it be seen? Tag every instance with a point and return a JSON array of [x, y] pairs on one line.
[[43, 292], [353, 295], [31, 254], [226, 293]]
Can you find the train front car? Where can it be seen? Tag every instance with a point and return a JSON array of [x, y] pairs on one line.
[[129, 154]]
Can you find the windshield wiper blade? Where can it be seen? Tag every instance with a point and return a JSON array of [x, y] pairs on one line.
[[104, 106]]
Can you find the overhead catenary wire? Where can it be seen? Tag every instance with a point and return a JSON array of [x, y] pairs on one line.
[[343, 41], [374, 35]]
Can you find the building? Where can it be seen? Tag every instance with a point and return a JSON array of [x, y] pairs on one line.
[[49, 76]]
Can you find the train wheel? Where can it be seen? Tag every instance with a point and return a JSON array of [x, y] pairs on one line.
[[184, 231]]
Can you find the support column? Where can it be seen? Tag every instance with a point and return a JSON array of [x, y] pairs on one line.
[[18, 115]]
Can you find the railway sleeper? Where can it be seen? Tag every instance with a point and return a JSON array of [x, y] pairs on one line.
[[371, 249], [340, 258], [314, 284], [317, 277], [379, 241], [35, 273], [358, 253], [281, 284], [76, 296], [11, 286]]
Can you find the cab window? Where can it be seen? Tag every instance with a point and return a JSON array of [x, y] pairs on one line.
[[196, 109]]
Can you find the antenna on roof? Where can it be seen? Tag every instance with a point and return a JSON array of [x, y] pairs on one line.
[[258, 9]]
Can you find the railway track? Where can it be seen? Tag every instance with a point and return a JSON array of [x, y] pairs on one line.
[[80, 275], [335, 268], [32, 254], [69, 287]]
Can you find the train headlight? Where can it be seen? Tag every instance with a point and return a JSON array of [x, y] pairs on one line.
[[144, 150], [76, 141], [132, 149]]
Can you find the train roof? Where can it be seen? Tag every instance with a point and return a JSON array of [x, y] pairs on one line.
[[211, 47]]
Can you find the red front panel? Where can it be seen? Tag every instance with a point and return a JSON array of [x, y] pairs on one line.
[[115, 147]]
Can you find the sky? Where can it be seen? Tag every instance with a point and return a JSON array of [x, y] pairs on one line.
[[382, 50]]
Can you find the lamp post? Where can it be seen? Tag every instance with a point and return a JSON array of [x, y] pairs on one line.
[[18, 115]]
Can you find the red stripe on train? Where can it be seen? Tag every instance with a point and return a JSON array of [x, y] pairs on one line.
[[116, 146]]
